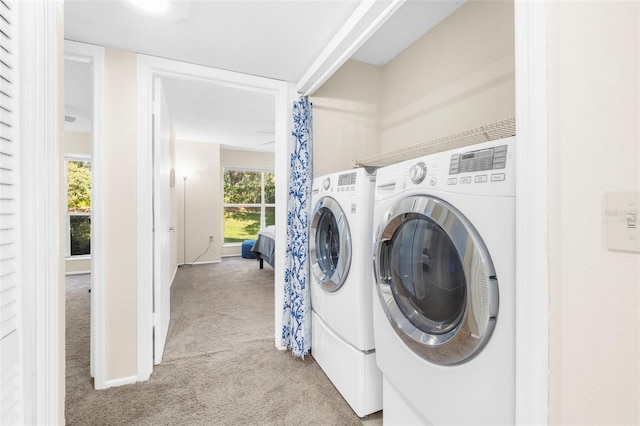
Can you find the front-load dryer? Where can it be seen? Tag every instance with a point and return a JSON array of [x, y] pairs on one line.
[[342, 289], [444, 309]]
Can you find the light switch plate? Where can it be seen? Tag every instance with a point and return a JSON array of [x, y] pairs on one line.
[[622, 221]]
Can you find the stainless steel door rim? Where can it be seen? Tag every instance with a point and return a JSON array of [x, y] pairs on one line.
[[435, 280], [330, 244]]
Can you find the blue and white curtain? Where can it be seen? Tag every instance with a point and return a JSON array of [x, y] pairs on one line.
[[296, 322]]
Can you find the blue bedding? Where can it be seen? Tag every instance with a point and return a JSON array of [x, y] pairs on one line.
[[265, 246]]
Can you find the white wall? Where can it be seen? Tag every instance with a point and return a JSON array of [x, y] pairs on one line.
[[248, 159], [594, 148], [75, 144], [459, 76], [204, 200], [240, 159], [120, 159], [346, 124]]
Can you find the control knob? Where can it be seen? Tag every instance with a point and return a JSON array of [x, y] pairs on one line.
[[417, 172], [326, 183]]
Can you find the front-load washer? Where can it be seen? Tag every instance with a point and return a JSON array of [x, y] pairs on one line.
[[444, 266], [342, 287]]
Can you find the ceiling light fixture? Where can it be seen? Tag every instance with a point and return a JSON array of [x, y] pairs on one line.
[[153, 6]]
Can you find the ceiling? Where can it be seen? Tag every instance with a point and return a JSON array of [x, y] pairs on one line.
[[269, 38], [77, 95]]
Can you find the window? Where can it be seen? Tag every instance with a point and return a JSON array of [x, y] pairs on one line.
[[249, 203], [78, 207]]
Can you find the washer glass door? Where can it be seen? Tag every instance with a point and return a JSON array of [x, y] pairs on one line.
[[330, 244], [435, 280]]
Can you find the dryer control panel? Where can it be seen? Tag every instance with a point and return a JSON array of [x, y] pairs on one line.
[[482, 169], [479, 160], [471, 165]]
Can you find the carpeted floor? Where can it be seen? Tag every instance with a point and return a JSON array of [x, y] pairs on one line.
[[220, 364]]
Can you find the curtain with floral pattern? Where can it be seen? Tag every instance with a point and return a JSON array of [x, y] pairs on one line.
[[296, 323]]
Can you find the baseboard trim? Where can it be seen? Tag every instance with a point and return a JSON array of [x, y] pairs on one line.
[[173, 278], [199, 263], [121, 381], [231, 255], [204, 263], [77, 273]]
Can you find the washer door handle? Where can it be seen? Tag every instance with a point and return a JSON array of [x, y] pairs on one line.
[[384, 263]]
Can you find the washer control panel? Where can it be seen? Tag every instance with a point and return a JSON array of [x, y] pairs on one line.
[[347, 182], [354, 182]]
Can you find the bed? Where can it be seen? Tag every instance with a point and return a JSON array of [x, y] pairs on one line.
[[265, 246]]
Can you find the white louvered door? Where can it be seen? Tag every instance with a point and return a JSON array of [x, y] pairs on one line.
[[10, 373]]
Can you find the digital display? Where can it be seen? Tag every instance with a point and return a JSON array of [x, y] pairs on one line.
[[347, 179], [477, 154], [476, 161], [469, 155]]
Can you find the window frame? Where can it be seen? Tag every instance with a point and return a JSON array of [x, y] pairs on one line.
[[262, 205], [67, 159]]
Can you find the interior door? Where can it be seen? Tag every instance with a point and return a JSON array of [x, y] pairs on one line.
[[161, 221]]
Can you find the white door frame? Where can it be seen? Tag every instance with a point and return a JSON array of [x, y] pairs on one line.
[[94, 55], [148, 68], [38, 204], [532, 276]]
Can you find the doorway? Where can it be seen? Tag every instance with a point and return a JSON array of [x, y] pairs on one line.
[[82, 142], [149, 69]]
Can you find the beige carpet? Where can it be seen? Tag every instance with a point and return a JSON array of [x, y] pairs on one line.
[[220, 364]]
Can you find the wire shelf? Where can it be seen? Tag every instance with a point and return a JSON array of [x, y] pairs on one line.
[[498, 130]]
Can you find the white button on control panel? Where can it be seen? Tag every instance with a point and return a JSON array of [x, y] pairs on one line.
[[497, 177], [452, 181], [480, 179], [466, 179]]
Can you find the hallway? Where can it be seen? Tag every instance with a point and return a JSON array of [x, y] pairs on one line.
[[220, 365]]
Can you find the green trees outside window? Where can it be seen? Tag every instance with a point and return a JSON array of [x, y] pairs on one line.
[[249, 203], [78, 207]]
